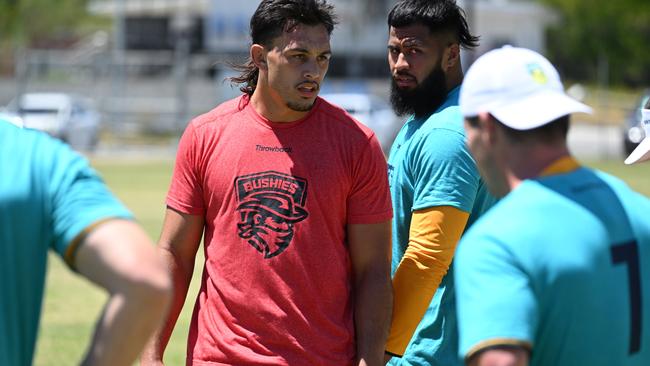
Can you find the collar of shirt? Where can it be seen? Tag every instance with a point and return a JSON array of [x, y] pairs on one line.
[[562, 165]]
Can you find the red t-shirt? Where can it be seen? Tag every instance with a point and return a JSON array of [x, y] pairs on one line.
[[276, 197]]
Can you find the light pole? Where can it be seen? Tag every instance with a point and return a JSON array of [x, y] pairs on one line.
[[181, 27], [118, 65]]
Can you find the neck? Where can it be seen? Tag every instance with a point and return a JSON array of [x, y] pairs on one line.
[[528, 162], [271, 106], [454, 78]]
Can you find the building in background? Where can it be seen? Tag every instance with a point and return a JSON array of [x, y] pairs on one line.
[[218, 29]]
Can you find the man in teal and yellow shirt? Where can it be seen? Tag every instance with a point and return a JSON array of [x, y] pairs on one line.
[[435, 186], [557, 273]]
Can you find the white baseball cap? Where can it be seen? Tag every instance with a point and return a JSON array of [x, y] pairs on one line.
[[642, 151], [519, 87]]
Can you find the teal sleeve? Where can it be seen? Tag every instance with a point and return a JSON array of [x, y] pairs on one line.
[[444, 172], [77, 195], [495, 300]]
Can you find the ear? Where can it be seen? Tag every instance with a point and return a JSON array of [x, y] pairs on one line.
[[488, 128], [258, 55], [451, 57]]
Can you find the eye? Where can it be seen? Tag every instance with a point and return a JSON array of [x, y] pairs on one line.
[[324, 58], [299, 57]]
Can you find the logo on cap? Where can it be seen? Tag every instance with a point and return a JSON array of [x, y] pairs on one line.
[[537, 73], [270, 204]]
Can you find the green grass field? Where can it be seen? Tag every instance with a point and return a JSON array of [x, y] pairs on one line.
[[71, 304]]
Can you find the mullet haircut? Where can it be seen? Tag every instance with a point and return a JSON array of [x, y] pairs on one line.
[[438, 15], [270, 20]]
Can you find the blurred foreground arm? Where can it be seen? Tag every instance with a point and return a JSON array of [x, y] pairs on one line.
[[373, 295], [118, 256], [500, 356], [179, 241]]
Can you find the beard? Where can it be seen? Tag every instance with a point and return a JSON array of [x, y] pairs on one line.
[[300, 107], [422, 100], [304, 105]]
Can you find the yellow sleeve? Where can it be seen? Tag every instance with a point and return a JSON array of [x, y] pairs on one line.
[[433, 236]]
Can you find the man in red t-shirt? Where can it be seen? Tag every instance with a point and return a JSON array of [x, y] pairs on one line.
[[291, 194]]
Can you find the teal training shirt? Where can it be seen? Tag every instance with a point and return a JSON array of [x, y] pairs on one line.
[[48, 195], [561, 263], [430, 165]]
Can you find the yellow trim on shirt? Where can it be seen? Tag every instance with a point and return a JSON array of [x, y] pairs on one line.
[[433, 236], [71, 252], [562, 165], [495, 342]]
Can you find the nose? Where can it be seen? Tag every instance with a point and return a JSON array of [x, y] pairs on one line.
[[312, 70], [401, 63]]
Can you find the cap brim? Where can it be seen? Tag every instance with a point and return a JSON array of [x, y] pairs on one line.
[[537, 110], [641, 153]]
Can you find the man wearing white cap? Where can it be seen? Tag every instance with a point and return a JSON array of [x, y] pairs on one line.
[[642, 152], [557, 272]]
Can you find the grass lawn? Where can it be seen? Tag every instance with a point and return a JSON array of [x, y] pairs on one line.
[[71, 304]]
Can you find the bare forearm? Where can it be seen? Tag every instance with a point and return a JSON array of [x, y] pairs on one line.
[[118, 256], [373, 308], [138, 313], [181, 274], [501, 356]]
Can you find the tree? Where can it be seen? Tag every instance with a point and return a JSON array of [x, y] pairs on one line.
[[29, 21], [595, 31]]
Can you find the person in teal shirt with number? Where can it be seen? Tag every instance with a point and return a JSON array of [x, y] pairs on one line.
[[51, 199], [558, 272]]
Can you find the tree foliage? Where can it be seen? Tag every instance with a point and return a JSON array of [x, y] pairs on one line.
[[606, 32], [30, 21]]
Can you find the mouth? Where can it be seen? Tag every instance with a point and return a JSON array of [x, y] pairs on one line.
[[405, 81], [308, 89]]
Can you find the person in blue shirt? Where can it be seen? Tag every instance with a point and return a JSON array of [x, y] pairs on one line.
[[558, 272], [642, 151], [435, 187], [50, 199]]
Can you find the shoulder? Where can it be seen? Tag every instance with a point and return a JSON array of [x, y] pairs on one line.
[[530, 202], [23, 142], [338, 118], [634, 202], [448, 121], [220, 114], [441, 138]]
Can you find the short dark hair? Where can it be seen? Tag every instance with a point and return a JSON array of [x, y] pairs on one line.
[[271, 19], [437, 15], [548, 133]]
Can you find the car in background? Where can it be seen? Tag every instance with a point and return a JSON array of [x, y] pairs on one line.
[[370, 110], [633, 132], [11, 117], [71, 118]]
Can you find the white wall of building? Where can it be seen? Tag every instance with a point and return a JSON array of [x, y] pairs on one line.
[[360, 31], [518, 23]]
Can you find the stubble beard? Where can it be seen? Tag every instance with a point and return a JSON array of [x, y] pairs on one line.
[[300, 107]]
